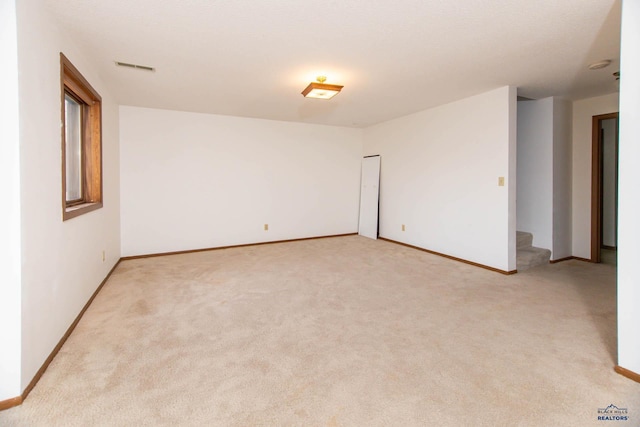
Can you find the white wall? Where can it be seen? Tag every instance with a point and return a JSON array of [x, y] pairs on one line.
[[534, 204], [629, 197], [609, 176], [583, 111], [562, 209], [192, 181], [10, 213], [439, 177], [61, 261]]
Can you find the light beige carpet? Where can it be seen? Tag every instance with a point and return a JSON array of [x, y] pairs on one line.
[[337, 332]]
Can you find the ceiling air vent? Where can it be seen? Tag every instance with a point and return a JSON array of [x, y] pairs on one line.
[[139, 67]]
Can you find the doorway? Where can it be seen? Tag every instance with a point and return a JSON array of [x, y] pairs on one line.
[[369, 197], [604, 188]]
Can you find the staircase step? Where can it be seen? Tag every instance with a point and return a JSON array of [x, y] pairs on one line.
[[523, 239], [530, 257]]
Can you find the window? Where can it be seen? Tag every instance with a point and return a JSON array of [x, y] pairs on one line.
[[81, 143]]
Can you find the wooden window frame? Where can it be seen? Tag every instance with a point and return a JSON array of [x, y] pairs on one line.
[[73, 83]]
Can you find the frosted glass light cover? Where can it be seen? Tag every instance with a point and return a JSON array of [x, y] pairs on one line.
[[322, 93]]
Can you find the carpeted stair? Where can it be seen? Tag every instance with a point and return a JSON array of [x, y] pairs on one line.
[[528, 256]]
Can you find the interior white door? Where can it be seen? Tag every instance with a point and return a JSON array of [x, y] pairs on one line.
[[369, 194]]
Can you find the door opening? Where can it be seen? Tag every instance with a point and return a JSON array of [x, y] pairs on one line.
[[604, 187], [369, 196]]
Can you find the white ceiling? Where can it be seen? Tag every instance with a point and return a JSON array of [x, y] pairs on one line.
[[252, 58]]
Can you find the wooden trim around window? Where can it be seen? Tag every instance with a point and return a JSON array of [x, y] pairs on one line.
[[72, 81]]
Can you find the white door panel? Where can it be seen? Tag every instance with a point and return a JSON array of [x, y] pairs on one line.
[[369, 194]]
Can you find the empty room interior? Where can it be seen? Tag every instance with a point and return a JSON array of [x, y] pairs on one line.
[[296, 213]]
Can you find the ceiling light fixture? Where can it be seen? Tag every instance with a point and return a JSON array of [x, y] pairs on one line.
[[321, 90], [600, 64]]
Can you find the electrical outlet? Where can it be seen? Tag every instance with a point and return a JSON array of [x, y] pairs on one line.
[[501, 181], [104, 256], [266, 227], [402, 227]]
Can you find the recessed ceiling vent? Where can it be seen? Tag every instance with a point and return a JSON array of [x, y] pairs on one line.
[[139, 67]]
